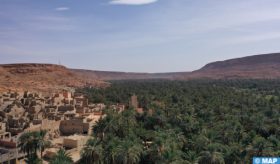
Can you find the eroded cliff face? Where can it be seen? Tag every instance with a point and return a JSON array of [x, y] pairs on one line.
[[43, 78]]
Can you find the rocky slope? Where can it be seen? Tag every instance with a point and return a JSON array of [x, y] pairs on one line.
[[42, 77], [265, 66]]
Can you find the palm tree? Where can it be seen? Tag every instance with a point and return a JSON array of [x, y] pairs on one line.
[[234, 153], [172, 155], [166, 147], [25, 144], [110, 149], [61, 157], [107, 125], [260, 146], [42, 143], [92, 153], [30, 142], [129, 151], [211, 157], [200, 142], [191, 157], [127, 120]]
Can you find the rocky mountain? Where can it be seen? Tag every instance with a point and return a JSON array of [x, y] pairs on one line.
[[42, 77]]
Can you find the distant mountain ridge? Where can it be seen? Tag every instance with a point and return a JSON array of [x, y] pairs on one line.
[[28, 76], [110, 75], [265, 66]]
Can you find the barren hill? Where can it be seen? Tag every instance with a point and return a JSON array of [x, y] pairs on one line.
[[42, 77], [266, 66]]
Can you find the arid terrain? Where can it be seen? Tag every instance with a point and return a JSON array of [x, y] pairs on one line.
[[265, 66], [44, 77]]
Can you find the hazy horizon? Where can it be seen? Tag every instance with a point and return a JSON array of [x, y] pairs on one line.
[[136, 35]]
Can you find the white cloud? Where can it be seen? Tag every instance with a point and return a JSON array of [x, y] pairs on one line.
[[132, 2], [62, 8]]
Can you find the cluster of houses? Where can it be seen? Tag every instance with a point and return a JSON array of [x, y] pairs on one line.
[[67, 116]]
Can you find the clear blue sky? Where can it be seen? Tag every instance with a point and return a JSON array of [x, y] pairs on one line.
[[136, 35]]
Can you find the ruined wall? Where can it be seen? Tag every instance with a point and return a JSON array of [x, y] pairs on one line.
[[8, 144], [69, 127]]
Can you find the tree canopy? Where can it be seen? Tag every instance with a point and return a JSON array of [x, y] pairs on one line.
[[202, 121]]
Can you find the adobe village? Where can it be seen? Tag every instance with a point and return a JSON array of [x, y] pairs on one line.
[[66, 117]]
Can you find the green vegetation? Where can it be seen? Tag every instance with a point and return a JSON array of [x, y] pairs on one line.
[[207, 122], [32, 142], [61, 157]]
